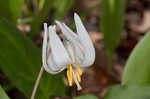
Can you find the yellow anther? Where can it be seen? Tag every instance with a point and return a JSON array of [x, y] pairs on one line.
[[78, 76], [70, 68], [79, 71], [69, 75]]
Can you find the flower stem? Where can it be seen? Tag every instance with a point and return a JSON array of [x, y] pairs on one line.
[[37, 83]]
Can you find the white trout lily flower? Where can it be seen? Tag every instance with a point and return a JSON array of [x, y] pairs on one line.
[[72, 51]]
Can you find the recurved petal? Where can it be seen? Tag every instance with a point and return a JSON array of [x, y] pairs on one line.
[[52, 66], [58, 51], [79, 55], [67, 32], [69, 49], [74, 42], [44, 49], [85, 41]]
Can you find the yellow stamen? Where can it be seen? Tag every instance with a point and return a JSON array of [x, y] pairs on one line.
[[79, 71], [70, 68], [78, 76], [69, 77], [70, 74]]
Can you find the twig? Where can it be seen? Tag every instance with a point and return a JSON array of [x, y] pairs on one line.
[[37, 83]]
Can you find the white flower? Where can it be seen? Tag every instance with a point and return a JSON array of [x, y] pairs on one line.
[[72, 52]]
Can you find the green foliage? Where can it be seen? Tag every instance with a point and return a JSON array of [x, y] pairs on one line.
[[136, 78], [137, 69], [11, 9], [28, 2], [41, 4], [87, 96], [3, 95], [112, 24], [128, 92], [39, 18], [20, 60], [62, 8]]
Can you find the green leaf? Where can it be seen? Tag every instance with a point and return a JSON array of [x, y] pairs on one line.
[[62, 8], [137, 69], [28, 3], [112, 24], [128, 92], [41, 4], [40, 18], [136, 78], [87, 96], [20, 60], [3, 95], [11, 9]]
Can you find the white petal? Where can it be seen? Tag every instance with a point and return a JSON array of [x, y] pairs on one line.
[[85, 41], [44, 49], [69, 49], [67, 32], [75, 52], [60, 55], [44, 44], [79, 55], [44, 52], [75, 42], [52, 66]]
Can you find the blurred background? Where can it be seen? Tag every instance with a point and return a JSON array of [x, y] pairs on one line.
[[21, 32]]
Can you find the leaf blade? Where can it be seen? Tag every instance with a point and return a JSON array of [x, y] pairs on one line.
[[87, 96], [3, 95], [128, 92], [138, 65], [112, 24], [20, 60], [11, 9], [40, 18]]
